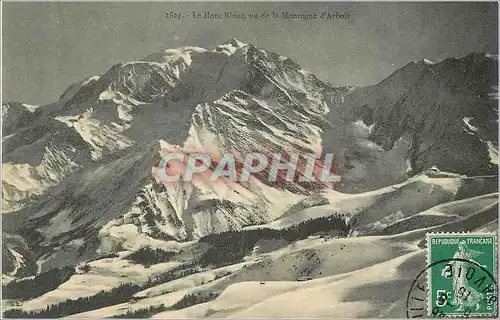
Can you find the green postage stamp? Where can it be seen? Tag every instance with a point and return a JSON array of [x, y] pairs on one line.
[[462, 277]]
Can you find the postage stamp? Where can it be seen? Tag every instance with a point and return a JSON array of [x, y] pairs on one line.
[[463, 281]]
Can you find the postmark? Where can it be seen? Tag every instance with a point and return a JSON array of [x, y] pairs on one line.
[[460, 279]]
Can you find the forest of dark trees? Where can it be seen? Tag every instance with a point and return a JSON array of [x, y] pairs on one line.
[[34, 287], [120, 294], [231, 246], [187, 301], [147, 256], [103, 299], [142, 313], [194, 299], [116, 295]]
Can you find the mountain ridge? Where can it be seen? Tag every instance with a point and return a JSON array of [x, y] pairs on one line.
[[69, 161], [88, 223]]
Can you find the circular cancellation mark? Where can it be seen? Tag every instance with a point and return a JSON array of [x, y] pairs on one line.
[[470, 292]]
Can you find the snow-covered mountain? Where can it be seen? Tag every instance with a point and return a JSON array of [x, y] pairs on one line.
[[423, 115], [79, 175], [88, 171]]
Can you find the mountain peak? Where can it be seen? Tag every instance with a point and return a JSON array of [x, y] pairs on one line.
[[234, 42], [421, 62], [230, 46]]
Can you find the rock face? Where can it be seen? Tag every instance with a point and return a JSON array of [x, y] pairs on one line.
[[421, 116], [78, 174], [80, 170]]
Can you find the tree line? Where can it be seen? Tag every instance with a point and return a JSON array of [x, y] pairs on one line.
[[117, 295], [29, 288], [231, 246], [103, 299], [148, 256], [187, 301]]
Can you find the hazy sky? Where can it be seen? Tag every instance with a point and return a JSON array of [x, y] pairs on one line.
[[48, 46]]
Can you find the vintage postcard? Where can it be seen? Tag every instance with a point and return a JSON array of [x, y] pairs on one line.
[[249, 159]]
